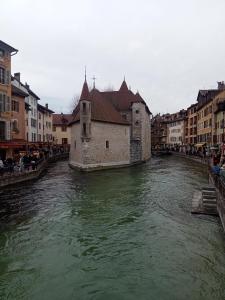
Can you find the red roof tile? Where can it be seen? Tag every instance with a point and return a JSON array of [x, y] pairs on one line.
[[85, 92], [61, 119], [106, 106]]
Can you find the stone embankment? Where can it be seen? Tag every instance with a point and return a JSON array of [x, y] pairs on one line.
[[18, 177], [210, 200]]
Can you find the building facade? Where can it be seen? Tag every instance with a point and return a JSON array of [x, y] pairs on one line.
[[45, 124], [31, 116], [6, 52], [109, 129], [176, 129], [18, 113], [61, 131], [191, 125]]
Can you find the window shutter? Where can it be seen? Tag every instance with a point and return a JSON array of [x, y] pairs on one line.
[[8, 104], [1, 102], [8, 130], [7, 77], [4, 100]]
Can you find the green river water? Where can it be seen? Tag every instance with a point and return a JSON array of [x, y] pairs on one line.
[[117, 234]]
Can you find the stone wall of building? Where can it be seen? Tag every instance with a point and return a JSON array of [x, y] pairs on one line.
[[141, 130], [76, 147], [135, 151], [108, 145]]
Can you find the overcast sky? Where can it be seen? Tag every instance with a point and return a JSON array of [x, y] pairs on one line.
[[167, 49]]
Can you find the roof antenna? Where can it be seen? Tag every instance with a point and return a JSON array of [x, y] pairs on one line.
[[85, 74], [124, 79]]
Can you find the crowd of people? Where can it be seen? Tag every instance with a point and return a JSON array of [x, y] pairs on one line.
[[27, 161]]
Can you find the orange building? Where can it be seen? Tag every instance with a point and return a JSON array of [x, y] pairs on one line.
[[6, 52], [191, 125], [18, 132]]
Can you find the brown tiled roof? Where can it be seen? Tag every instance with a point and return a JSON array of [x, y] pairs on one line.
[[85, 92], [101, 110], [205, 96], [106, 106], [61, 119], [44, 108]]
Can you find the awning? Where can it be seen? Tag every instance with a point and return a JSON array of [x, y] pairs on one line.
[[200, 145]]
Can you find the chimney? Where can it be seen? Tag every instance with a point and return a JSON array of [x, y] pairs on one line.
[[27, 86], [221, 85], [17, 76], [46, 105]]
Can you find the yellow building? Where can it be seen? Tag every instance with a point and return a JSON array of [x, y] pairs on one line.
[[6, 52], [205, 116], [191, 125], [61, 131], [219, 118]]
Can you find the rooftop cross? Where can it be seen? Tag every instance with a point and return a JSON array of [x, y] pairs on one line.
[[94, 78]]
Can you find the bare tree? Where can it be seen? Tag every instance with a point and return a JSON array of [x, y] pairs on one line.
[[74, 102]]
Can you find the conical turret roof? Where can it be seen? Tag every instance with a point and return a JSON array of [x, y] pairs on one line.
[[123, 87], [85, 92]]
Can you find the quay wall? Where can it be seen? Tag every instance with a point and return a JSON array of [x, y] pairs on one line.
[[215, 180], [219, 185], [31, 175]]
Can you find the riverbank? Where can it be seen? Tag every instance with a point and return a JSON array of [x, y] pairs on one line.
[[214, 180], [15, 178], [201, 160]]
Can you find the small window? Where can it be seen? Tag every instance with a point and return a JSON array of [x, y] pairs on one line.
[[64, 128], [84, 107], [2, 75], [75, 144], [84, 129], [137, 122], [2, 53], [54, 128], [124, 116], [107, 144], [137, 111]]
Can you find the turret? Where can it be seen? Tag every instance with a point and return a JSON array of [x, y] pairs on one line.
[[85, 113]]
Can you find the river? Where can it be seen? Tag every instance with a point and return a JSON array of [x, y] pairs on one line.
[[116, 234]]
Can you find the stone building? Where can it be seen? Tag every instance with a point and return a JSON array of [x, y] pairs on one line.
[[159, 131], [61, 131], [44, 123], [109, 129]]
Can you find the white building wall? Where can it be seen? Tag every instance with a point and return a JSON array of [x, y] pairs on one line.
[[31, 122], [93, 153]]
